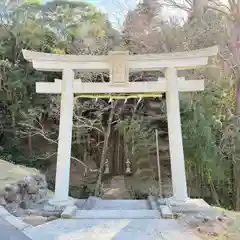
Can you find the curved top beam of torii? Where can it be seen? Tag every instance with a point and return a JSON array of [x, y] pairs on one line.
[[146, 62]]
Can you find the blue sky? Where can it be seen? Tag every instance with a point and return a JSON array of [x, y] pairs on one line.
[[116, 9]]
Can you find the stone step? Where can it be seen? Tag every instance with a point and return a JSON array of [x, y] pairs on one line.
[[122, 205], [118, 214]]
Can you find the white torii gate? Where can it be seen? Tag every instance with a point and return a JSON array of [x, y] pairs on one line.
[[120, 63]]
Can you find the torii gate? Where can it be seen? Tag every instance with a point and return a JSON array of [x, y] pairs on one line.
[[120, 63]]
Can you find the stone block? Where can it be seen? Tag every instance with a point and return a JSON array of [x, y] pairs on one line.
[[166, 211], [69, 212]]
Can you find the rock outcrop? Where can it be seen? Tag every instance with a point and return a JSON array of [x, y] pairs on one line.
[[11, 173], [24, 193]]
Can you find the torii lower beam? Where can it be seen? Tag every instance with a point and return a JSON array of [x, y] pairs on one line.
[[131, 87]]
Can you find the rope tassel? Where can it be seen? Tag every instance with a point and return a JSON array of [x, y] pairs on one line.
[[140, 99]]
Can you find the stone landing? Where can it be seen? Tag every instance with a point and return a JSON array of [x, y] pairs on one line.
[[111, 229]]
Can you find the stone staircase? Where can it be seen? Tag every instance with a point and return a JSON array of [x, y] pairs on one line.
[[122, 205], [100, 219], [96, 208]]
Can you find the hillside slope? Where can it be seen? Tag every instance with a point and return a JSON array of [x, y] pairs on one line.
[[11, 173]]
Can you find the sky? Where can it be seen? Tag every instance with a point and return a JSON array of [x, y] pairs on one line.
[[117, 9]]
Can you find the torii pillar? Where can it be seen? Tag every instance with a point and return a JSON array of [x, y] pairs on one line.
[[179, 183], [64, 139]]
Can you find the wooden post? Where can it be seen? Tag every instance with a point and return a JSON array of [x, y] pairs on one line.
[[30, 141], [158, 164]]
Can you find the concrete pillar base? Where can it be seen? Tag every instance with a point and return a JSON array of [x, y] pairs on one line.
[[61, 203]]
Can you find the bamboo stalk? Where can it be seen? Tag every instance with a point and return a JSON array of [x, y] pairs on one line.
[[30, 141], [118, 147], [158, 164]]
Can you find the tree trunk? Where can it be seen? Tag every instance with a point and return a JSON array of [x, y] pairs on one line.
[[198, 8], [236, 156], [104, 151]]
